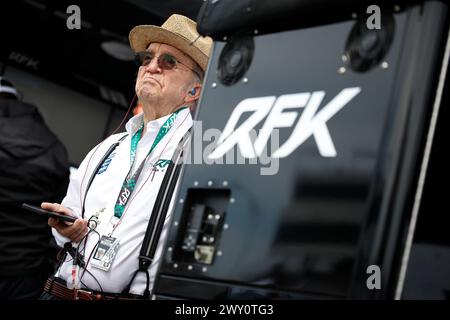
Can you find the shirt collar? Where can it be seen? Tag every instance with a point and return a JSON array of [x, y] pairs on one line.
[[136, 122]]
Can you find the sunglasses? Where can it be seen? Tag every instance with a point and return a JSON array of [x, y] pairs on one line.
[[165, 61]]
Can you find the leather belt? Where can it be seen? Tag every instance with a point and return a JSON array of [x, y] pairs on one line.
[[56, 288]]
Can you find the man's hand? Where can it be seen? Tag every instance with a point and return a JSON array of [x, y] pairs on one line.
[[74, 231]]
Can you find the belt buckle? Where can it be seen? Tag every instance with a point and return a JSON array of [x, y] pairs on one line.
[[81, 294]]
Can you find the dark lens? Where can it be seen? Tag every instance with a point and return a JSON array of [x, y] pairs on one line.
[[168, 62], [143, 58]]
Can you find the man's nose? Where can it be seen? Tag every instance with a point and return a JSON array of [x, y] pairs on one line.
[[153, 66]]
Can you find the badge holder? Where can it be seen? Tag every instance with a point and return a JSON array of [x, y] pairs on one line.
[[105, 253]]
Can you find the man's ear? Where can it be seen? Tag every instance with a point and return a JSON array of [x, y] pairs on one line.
[[193, 93]]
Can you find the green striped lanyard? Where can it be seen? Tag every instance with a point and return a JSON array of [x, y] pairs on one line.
[[130, 181]]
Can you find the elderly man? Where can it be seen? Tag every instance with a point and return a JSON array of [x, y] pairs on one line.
[[113, 214]]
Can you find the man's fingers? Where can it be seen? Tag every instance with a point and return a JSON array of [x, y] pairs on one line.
[[73, 230], [49, 206], [58, 225], [52, 222], [79, 234], [68, 231], [56, 207]]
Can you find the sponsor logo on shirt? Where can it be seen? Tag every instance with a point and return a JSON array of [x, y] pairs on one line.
[[106, 163]]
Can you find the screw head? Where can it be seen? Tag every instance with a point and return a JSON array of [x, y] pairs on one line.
[[219, 253], [232, 200], [175, 265], [225, 183], [213, 85], [225, 226], [181, 200], [245, 80], [342, 70], [210, 183], [195, 183], [384, 65], [189, 267]]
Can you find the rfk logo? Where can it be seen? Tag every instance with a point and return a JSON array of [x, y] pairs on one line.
[[311, 123], [124, 196]]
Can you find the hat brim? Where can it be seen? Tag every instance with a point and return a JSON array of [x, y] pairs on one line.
[[141, 36]]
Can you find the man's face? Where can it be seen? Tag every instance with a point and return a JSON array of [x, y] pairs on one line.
[[162, 86]]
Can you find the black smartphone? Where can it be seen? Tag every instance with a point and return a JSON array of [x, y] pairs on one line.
[[49, 214]]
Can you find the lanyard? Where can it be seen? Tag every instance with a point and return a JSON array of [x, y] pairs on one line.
[[129, 183]]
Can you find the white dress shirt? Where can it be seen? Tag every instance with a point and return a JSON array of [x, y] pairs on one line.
[[103, 194]]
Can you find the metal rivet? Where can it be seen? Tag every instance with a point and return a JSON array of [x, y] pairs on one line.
[[175, 265], [181, 200], [245, 80], [210, 183], [175, 224], [210, 216], [204, 269], [189, 267], [219, 253], [354, 15], [344, 58], [225, 226], [169, 249], [232, 200], [213, 85], [341, 70], [225, 183], [384, 65], [195, 183], [217, 216]]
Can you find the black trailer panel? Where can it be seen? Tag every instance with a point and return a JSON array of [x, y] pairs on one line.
[[330, 121]]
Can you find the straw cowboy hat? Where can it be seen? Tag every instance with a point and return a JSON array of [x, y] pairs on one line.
[[178, 31]]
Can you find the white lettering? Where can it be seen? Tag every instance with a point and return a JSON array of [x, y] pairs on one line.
[[374, 280], [192, 310], [310, 123], [374, 21], [74, 20], [240, 136], [124, 196]]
